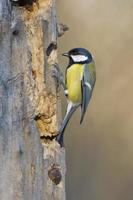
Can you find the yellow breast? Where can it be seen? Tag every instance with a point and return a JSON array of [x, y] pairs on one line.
[[73, 81]]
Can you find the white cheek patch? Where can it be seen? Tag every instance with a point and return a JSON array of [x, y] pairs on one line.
[[79, 58]]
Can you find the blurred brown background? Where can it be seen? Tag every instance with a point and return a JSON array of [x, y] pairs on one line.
[[100, 152]]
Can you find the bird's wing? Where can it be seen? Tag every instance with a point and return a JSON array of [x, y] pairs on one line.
[[87, 87]]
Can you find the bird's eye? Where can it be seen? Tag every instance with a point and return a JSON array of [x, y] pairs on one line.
[[74, 53]]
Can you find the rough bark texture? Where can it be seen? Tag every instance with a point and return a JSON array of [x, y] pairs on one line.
[[30, 168]]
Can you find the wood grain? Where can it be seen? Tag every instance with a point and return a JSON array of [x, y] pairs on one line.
[[28, 91]]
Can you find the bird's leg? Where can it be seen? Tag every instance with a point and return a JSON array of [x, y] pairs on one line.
[[58, 75]]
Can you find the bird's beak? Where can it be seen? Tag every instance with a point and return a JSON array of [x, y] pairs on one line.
[[65, 54]]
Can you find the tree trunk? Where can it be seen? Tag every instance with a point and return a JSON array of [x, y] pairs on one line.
[[32, 164]]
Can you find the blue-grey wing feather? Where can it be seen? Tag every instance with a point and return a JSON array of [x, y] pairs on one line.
[[87, 85]]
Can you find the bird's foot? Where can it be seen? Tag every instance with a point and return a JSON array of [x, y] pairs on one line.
[[57, 74]]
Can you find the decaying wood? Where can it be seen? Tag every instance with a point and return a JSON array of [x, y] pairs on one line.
[[30, 168]]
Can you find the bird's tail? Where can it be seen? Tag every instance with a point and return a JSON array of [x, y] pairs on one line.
[[70, 110]]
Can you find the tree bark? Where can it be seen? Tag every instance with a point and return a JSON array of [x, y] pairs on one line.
[[32, 164]]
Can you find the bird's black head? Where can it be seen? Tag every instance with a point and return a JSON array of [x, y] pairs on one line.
[[79, 55]]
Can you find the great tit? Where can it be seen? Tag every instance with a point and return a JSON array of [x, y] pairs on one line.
[[79, 82]]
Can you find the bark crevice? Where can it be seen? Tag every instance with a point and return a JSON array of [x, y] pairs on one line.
[[30, 167]]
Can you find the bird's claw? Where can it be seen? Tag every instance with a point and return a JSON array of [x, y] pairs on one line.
[[57, 74]]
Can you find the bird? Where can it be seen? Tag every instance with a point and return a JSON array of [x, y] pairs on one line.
[[80, 77]]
